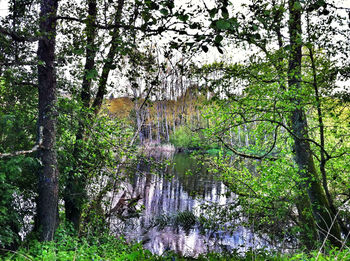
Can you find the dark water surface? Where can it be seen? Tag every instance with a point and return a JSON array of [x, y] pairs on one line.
[[159, 210]]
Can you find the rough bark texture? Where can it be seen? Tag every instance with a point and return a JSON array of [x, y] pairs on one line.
[[303, 156], [48, 176]]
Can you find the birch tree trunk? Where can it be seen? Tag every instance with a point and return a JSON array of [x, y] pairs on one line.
[[166, 121], [150, 125], [158, 122]]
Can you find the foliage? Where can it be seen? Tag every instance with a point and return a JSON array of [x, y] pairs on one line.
[[93, 161], [107, 138], [106, 247], [251, 114], [185, 219], [268, 182], [120, 107], [67, 247], [185, 138], [280, 97], [17, 184], [17, 174]]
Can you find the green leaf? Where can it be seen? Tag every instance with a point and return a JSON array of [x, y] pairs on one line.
[[195, 26], [79, 51], [154, 6], [321, 3], [223, 24], [297, 6], [183, 18], [213, 12], [218, 38], [205, 48], [164, 11], [92, 74], [224, 12]]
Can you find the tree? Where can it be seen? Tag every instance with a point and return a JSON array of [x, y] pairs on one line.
[[324, 217], [48, 176], [281, 102], [117, 23], [47, 203]]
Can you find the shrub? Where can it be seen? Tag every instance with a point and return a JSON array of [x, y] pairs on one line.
[[185, 138]]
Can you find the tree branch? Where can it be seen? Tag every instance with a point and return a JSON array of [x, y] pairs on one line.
[[16, 37], [24, 152], [251, 156]]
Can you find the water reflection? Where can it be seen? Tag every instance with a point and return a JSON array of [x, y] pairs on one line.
[[149, 199]]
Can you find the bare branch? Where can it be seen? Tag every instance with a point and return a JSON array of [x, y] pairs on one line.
[[20, 152]]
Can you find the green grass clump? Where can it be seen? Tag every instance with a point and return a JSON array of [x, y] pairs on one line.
[[67, 247]]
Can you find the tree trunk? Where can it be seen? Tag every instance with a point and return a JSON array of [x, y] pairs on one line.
[[239, 136], [74, 193], [158, 122], [90, 53], [174, 118], [246, 135], [150, 125], [198, 119], [48, 174], [303, 156], [323, 159], [108, 66], [139, 121], [166, 121], [231, 137]]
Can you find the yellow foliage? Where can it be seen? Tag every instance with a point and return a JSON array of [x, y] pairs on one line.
[[120, 106]]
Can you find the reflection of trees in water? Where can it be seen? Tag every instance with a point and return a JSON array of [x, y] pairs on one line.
[[193, 176], [190, 189]]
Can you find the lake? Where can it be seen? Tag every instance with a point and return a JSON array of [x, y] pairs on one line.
[[166, 208]]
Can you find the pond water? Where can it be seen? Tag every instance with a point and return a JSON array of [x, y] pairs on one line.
[[162, 210]]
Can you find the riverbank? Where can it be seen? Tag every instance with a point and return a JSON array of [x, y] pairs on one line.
[[154, 147]]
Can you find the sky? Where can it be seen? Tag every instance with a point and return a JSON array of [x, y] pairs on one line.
[[3, 8], [343, 3], [235, 55]]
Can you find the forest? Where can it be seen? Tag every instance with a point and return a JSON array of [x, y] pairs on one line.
[[174, 130]]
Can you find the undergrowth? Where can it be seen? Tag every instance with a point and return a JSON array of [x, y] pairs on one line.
[[65, 246]]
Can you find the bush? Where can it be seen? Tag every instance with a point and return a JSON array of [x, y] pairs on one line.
[[185, 138]]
